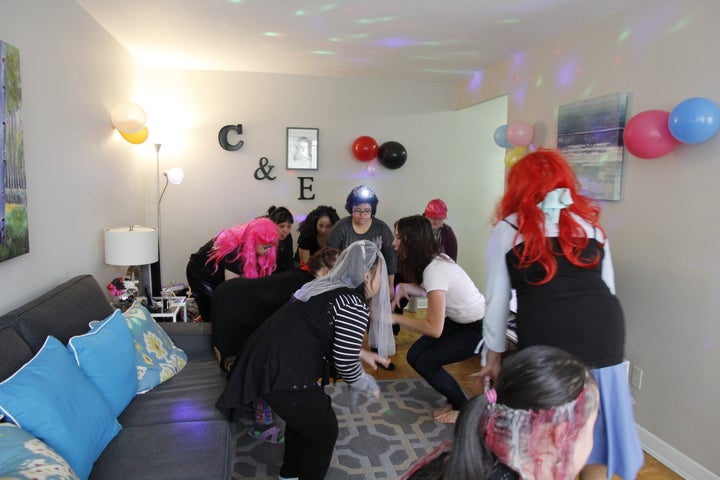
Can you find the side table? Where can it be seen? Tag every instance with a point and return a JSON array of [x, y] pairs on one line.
[[177, 307]]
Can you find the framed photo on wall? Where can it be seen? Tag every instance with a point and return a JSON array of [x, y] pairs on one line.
[[302, 148]]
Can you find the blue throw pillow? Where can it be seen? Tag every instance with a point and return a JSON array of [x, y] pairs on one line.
[[107, 356], [23, 456], [51, 398], [156, 356]]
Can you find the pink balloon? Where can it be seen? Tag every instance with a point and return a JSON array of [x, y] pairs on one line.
[[648, 136], [520, 133]]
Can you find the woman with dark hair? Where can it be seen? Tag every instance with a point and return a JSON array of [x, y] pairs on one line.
[[283, 218], [247, 250], [452, 327], [318, 335], [549, 246], [361, 204], [536, 424], [314, 231]]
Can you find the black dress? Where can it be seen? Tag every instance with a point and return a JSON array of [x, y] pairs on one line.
[[241, 305], [574, 311]]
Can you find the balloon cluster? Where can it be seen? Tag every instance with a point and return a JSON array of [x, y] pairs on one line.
[[129, 119], [516, 136], [654, 133], [390, 155]]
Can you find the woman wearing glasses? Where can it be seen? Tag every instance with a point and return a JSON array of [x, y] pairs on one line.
[[361, 204]]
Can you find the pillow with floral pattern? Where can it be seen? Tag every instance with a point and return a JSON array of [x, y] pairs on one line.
[[24, 457], [156, 356]]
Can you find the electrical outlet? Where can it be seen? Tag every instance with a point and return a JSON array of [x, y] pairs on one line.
[[636, 377]]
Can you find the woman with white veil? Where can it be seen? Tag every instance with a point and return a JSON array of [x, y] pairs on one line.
[[317, 335]]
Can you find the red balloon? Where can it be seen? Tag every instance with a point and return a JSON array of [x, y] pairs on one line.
[[648, 136], [365, 148]]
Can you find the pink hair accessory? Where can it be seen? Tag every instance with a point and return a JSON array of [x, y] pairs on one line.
[[491, 396]]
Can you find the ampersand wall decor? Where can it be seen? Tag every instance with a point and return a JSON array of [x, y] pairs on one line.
[[264, 170]]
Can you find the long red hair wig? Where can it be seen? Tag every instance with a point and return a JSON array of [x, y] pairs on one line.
[[239, 242], [528, 181]]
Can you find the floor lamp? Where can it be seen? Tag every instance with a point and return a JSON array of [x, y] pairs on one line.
[[173, 176], [134, 247]]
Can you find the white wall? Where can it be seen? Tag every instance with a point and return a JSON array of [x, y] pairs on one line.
[[80, 177], [448, 152], [664, 230]]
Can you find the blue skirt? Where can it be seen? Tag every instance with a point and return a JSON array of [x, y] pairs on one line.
[[615, 439]]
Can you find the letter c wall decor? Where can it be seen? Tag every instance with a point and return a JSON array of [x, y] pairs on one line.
[[223, 137]]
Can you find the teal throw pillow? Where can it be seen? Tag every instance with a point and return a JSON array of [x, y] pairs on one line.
[[51, 398], [107, 356], [24, 457], [156, 356]]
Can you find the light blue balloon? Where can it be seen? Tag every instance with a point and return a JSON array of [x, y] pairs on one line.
[[694, 120], [501, 137]]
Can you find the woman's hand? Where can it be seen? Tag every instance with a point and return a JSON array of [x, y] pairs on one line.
[[489, 373], [372, 359]]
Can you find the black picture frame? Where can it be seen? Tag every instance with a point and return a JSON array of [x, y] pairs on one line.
[[302, 148]]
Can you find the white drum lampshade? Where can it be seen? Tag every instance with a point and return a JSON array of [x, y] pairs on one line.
[[134, 245]]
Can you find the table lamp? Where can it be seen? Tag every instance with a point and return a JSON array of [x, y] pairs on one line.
[[134, 246]]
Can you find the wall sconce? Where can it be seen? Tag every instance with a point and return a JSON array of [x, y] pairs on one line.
[[129, 119]]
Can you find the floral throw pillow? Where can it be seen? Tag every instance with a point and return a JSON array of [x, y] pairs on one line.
[[23, 456], [156, 356]]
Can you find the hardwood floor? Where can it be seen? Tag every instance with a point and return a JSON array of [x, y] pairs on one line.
[[652, 470]]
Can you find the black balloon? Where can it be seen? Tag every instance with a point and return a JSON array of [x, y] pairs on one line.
[[392, 155]]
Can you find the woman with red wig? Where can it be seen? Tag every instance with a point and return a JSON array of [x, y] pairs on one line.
[[246, 250], [549, 246]]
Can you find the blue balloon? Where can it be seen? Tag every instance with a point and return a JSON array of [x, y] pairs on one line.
[[694, 120], [501, 137]]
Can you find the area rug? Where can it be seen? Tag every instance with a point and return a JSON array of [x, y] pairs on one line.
[[379, 439]]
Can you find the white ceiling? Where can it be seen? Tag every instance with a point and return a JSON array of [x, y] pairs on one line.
[[425, 40]]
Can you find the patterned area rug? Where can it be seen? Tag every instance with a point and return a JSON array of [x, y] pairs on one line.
[[380, 439]]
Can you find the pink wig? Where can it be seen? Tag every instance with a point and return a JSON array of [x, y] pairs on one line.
[[239, 242]]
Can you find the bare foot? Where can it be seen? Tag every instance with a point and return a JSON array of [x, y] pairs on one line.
[[441, 411], [448, 417]]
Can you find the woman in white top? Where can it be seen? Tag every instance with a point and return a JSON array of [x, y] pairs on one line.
[[453, 325]]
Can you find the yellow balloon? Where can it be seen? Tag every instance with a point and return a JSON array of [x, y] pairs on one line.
[[138, 137], [512, 157]]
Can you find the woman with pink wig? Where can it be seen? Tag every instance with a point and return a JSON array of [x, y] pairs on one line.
[[247, 250]]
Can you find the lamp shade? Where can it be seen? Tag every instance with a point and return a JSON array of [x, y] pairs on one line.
[[175, 175], [134, 245]]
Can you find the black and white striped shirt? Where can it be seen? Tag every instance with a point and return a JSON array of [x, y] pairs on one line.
[[350, 315]]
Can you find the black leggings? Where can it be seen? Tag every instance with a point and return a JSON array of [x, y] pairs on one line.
[[428, 355], [311, 430]]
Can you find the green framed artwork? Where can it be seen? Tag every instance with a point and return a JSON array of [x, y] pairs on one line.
[[14, 239]]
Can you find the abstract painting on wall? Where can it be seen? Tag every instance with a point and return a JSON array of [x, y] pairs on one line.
[[14, 239], [590, 136]]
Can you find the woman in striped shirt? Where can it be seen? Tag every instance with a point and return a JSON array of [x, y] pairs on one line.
[[318, 335]]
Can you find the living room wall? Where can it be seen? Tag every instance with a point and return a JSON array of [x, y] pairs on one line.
[[664, 228], [79, 175]]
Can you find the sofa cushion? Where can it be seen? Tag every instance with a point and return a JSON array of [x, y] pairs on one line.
[[76, 302], [107, 356], [170, 451], [157, 357], [51, 398], [14, 352], [188, 396], [23, 456]]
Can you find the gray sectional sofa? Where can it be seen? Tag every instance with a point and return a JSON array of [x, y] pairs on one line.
[[173, 431]]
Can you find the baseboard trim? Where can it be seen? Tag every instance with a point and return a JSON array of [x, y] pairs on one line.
[[672, 458]]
